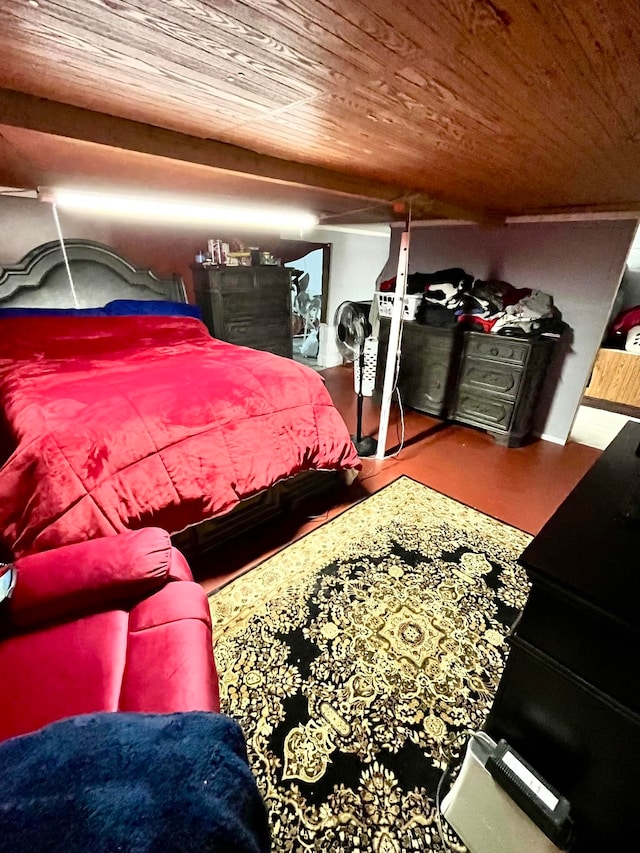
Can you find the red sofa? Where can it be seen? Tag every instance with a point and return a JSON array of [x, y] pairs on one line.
[[112, 624]]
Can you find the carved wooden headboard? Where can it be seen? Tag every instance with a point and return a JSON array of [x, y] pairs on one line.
[[99, 275]]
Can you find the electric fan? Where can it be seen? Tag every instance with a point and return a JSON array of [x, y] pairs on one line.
[[355, 344]]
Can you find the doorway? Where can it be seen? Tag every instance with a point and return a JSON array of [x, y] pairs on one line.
[[309, 287]]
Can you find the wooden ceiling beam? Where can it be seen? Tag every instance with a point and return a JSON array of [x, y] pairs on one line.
[[18, 109]]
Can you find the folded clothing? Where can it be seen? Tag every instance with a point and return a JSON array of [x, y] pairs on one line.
[[444, 295], [131, 782], [452, 297], [420, 282], [527, 313]]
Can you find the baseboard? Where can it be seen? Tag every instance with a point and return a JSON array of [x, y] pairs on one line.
[[545, 436], [328, 353], [329, 361]]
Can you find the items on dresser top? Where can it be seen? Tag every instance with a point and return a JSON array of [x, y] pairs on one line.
[[452, 296]]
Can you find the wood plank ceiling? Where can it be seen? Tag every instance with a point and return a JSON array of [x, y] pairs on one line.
[[471, 107]]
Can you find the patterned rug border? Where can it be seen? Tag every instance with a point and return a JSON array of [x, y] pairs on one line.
[[348, 509]]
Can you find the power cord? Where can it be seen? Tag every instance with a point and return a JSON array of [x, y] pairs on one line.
[[397, 453], [396, 390]]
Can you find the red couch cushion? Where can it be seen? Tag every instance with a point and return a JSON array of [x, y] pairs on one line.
[[63, 670], [156, 659]]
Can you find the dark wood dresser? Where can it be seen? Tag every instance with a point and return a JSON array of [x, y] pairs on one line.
[[499, 382], [483, 380], [428, 366], [569, 698], [249, 306]]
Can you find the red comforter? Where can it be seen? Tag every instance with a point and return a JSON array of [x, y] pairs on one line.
[[120, 422]]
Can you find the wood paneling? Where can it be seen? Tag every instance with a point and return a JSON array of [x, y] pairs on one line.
[[616, 377], [517, 106]]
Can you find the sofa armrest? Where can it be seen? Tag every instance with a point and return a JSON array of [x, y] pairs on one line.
[[75, 579], [170, 664]]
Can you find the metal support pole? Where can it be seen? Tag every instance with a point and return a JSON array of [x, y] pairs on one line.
[[393, 351]]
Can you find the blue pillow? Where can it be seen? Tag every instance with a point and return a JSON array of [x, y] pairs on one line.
[[116, 308], [124, 307], [53, 312]]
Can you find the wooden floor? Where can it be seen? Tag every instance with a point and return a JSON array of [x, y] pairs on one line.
[[521, 486]]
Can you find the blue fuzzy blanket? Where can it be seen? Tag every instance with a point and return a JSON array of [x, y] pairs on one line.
[[131, 783]]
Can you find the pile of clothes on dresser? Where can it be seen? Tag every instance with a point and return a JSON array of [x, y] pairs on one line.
[[452, 296]]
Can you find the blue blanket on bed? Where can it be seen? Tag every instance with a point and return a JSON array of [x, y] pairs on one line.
[[132, 783]]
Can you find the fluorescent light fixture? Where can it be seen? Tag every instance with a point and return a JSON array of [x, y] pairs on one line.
[[160, 209]]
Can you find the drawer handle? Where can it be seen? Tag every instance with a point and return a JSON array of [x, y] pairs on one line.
[[486, 409], [494, 351]]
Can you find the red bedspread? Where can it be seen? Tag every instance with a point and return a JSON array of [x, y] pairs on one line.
[[121, 422]]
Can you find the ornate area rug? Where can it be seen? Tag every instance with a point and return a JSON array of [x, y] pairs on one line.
[[355, 658]]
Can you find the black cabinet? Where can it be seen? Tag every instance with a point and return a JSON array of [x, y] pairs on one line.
[[569, 700], [249, 306], [483, 380]]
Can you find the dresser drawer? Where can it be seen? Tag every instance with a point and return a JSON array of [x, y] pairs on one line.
[[487, 376], [428, 365], [415, 336], [249, 306], [244, 279], [584, 743], [423, 382], [237, 307], [256, 334], [480, 410], [592, 644], [425, 389], [494, 347]]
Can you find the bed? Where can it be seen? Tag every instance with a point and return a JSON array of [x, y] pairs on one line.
[[123, 412]]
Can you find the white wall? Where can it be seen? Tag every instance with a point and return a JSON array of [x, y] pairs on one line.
[[629, 295], [579, 263], [633, 261], [357, 256], [26, 223]]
